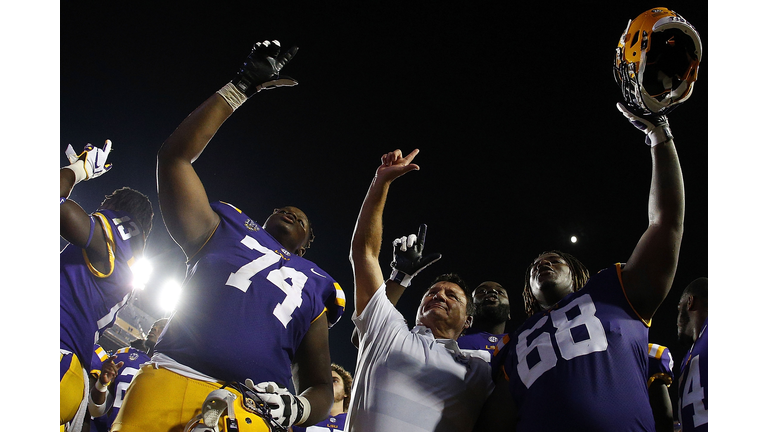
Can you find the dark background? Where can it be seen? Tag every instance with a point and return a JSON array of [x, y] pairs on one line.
[[513, 109]]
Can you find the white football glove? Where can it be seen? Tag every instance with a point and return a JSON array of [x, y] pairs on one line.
[[655, 128], [92, 165], [285, 408]]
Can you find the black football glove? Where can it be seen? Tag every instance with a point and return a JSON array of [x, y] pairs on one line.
[[408, 259], [261, 69]]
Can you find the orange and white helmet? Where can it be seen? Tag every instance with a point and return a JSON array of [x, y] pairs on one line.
[[657, 61]]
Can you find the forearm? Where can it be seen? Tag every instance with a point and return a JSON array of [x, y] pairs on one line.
[[66, 182], [366, 244], [97, 405], [312, 371], [320, 398], [666, 203], [189, 140]]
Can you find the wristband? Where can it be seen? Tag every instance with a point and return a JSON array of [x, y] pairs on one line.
[[401, 277], [79, 169], [658, 135], [304, 409], [101, 388], [232, 95]]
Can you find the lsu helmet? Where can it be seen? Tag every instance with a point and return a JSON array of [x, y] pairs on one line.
[[657, 61]]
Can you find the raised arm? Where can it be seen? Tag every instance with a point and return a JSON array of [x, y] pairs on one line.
[[184, 204], [648, 274], [74, 222], [366, 239]]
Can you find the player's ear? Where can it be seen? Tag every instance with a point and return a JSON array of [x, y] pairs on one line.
[[468, 322], [691, 303]]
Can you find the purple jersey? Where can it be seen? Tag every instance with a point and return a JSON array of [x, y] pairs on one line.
[[332, 423], [586, 360], [132, 360], [99, 356], [480, 341], [660, 364], [247, 304], [693, 385], [89, 300]]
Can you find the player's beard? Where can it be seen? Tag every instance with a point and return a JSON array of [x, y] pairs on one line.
[[492, 314]]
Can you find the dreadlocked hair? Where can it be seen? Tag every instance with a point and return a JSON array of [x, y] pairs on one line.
[[579, 276], [133, 202], [346, 379], [455, 278]]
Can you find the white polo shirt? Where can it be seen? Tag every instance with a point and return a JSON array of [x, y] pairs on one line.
[[406, 380]]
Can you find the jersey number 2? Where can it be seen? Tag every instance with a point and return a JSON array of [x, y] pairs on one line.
[[279, 277], [564, 321]]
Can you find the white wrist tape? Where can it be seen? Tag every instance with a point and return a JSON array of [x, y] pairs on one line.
[[658, 135], [307, 409], [401, 277], [79, 169], [232, 95], [102, 388]]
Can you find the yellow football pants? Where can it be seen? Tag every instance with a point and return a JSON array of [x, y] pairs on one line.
[[71, 386], [159, 400]]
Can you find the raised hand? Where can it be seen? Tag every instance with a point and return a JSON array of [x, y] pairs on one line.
[[94, 160], [407, 257], [261, 69], [109, 370], [655, 127], [394, 164]]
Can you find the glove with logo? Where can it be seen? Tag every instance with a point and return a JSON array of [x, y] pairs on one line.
[[408, 259], [285, 408], [655, 127], [91, 163]]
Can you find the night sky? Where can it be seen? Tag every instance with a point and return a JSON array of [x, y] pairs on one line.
[[513, 109]]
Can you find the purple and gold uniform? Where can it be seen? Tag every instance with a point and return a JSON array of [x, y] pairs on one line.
[[660, 364], [247, 304], [586, 358], [132, 360], [480, 342], [332, 423], [89, 299], [99, 356], [694, 404]]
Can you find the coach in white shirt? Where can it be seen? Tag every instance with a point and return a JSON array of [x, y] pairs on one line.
[[409, 379]]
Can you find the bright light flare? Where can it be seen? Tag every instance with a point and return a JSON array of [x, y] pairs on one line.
[[169, 295], [574, 239], [142, 270]]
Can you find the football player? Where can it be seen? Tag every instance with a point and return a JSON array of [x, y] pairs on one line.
[[692, 320], [660, 377], [579, 362], [95, 274], [108, 392], [342, 390], [253, 310], [489, 320]]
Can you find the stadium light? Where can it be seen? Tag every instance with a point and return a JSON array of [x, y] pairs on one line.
[[169, 295], [141, 270]]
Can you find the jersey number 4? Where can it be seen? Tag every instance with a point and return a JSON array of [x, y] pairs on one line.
[[279, 277], [693, 394], [578, 332]]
